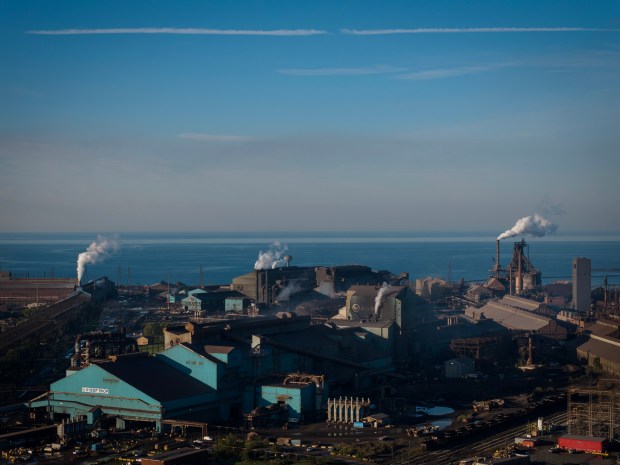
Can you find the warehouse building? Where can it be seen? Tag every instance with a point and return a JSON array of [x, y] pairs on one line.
[[335, 281], [396, 304], [602, 349], [521, 315], [267, 287], [264, 286], [35, 291], [132, 388]]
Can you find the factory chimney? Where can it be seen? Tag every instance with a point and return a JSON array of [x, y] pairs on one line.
[[530, 352], [519, 278], [497, 265]]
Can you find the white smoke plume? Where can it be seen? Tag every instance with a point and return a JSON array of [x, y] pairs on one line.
[[285, 294], [536, 226], [272, 258], [384, 288], [96, 252]]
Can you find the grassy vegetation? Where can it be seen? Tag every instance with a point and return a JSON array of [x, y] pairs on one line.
[[232, 450]]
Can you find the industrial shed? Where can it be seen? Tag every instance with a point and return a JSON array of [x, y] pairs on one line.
[[298, 400], [602, 352], [23, 291], [218, 367], [132, 388], [516, 316], [527, 305], [194, 302]]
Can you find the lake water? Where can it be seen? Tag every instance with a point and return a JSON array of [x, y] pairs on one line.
[[146, 258]]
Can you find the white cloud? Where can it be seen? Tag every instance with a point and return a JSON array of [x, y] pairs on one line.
[[379, 69], [186, 31], [212, 137], [448, 72], [308, 32], [368, 32]]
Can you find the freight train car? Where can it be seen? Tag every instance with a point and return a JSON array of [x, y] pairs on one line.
[[583, 443]]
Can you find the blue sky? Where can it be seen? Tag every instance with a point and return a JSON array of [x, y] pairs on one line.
[[308, 115]]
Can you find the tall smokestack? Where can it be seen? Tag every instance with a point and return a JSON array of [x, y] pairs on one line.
[[497, 265], [519, 283], [257, 284]]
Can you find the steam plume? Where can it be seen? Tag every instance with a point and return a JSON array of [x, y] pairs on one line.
[[384, 288], [536, 226], [293, 288], [98, 251], [272, 258]]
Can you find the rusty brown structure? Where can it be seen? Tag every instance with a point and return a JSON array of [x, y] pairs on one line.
[[36, 291], [479, 348], [593, 412]]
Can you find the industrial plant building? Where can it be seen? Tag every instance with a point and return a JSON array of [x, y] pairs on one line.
[[582, 282], [519, 276], [282, 368], [601, 350], [522, 316], [229, 369], [194, 383], [33, 291], [270, 286]]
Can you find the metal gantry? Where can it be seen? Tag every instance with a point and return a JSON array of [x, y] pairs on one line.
[[594, 413]]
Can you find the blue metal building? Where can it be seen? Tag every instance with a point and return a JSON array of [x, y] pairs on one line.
[[132, 388]]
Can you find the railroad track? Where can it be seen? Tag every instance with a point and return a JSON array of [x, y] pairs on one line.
[[44, 318], [482, 447]]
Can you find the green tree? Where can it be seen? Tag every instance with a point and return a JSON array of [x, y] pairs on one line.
[[154, 330], [227, 447]]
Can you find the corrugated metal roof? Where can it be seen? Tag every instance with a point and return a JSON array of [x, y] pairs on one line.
[[200, 350], [495, 284], [155, 378], [602, 347], [520, 302], [601, 329], [513, 318]]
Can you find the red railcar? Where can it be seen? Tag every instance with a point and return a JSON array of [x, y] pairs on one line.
[[583, 443]]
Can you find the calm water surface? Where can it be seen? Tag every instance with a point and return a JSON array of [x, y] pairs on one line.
[[146, 258]]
